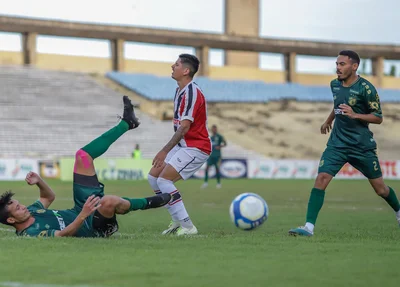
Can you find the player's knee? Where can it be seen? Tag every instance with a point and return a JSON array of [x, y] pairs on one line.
[[381, 190], [322, 180], [83, 158], [109, 202]]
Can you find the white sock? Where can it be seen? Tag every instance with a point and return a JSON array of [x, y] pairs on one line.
[[310, 226], [176, 207], [153, 183]]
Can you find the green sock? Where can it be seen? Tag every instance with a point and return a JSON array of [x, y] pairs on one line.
[[101, 144], [136, 203], [314, 204], [392, 200], [206, 176]]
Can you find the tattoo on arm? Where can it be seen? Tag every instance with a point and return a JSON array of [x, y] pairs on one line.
[[175, 139]]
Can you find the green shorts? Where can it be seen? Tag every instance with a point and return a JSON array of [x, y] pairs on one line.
[[214, 160], [81, 194], [333, 159]]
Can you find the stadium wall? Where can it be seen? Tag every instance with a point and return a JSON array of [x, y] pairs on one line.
[[131, 169], [103, 65]]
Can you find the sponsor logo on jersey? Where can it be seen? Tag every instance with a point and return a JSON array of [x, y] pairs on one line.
[[40, 211], [354, 92], [338, 112], [336, 88], [60, 219]]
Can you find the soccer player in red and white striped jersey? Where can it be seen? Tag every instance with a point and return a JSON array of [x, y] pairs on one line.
[[189, 147]]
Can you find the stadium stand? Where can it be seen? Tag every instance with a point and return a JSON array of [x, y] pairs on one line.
[[234, 91], [50, 114]]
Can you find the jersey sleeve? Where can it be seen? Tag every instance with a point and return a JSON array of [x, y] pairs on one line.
[[191, 104], [33, 232], [374, 104]]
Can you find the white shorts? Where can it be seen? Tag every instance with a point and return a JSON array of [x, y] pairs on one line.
[[186, 160]]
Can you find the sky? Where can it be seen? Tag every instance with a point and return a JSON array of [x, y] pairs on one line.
[[357, 21]]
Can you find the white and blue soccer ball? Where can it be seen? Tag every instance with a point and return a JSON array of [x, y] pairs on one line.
[[248, 211]]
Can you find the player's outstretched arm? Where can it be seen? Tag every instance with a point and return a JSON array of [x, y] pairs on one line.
[[91, 205], [47, 195], [180, 132]]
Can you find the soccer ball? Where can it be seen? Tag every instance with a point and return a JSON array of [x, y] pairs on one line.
[[248, 211]]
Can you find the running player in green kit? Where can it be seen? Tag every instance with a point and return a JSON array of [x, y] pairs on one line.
[[94, 214], [356, 105], [218, 142]]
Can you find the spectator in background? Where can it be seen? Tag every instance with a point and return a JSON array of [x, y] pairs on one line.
[[137, 153]]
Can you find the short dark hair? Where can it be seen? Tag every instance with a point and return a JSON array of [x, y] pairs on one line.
[[352, 55], [214, 126], [5, 200], [192, 62]]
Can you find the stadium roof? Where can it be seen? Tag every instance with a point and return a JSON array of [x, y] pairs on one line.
[[191, 39]]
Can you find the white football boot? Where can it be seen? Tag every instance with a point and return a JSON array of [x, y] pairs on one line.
[[172, 228], [187, 231]]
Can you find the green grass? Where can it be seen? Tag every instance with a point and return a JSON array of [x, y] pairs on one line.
[[356, 241]]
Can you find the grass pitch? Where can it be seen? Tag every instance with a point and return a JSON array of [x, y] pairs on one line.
[[356, 241]]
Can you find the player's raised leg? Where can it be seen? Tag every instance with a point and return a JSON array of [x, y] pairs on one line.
[[86, 155], [85, 179], [331, 162]]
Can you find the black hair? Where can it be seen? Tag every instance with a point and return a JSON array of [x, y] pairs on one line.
[[5, 200], [352, 55], [191, 61]]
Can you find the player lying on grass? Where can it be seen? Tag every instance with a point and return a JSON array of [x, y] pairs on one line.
[[94, 214], [356, 105]]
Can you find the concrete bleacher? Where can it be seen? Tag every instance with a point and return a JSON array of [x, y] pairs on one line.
[[233, 91], [49, 114]]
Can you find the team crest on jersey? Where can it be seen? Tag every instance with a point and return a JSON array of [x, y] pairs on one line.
[[352, 101], [43, 234], [40, 211], [321, 163]]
